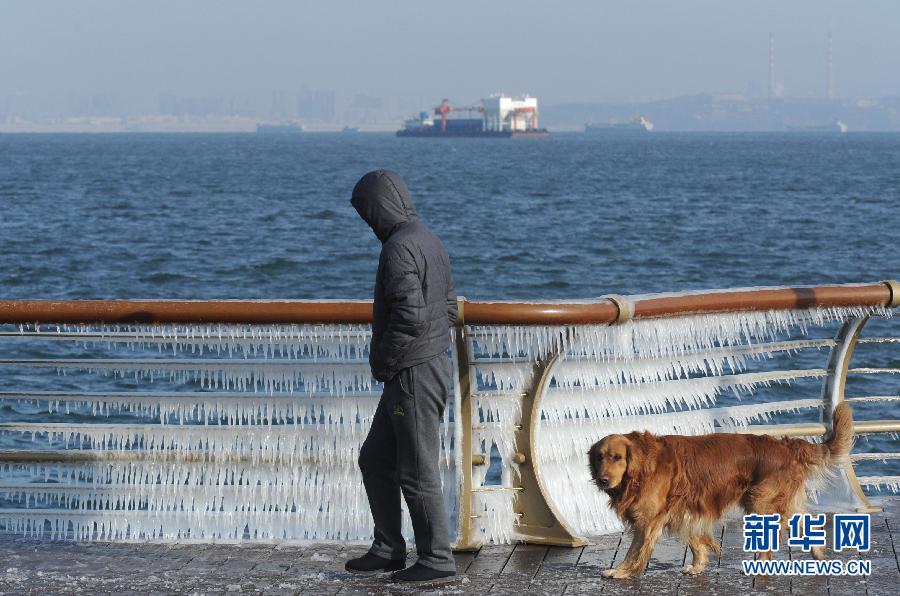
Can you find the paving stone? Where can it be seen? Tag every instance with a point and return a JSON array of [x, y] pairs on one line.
[[29, 566]]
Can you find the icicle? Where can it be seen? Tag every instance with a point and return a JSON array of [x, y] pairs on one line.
[[887, 483]]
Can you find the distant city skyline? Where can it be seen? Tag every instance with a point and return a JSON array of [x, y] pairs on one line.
[[373, 63]]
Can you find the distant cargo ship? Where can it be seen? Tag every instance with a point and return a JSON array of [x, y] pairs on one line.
[[279, 129], [350, 130], [638, 125], [836, 126], [502, 117]]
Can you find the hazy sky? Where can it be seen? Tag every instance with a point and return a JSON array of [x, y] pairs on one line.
[[561, 51]]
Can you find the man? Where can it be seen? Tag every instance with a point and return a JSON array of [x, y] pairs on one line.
[[414, 307]]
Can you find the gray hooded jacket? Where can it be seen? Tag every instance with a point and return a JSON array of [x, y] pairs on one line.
[[415, 304]]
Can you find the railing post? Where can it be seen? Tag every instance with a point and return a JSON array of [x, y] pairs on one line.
[[465, 534], [842, 490], [539, 521]]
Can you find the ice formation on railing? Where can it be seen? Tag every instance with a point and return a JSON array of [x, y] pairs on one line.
[[255, 375], [269, 341], [263, 445], [664, 375], [209, 407], [286, 500], [629, 399], [255, 431], [495, 517], [888, 483]]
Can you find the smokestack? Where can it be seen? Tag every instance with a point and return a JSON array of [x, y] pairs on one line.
[[829, 77], [771, 66]]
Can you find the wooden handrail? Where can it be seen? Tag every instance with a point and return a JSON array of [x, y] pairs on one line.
[[599, 311]]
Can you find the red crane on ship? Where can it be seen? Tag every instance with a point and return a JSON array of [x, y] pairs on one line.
[[444, 109]]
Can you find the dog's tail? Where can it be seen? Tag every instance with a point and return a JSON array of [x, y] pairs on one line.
[[839, 443]]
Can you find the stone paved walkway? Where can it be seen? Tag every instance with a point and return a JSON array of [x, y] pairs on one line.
[[29, 566]]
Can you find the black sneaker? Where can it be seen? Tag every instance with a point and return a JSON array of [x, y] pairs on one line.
[[421, 573], [370, 564]]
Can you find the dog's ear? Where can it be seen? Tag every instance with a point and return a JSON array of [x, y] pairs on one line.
[[634, 455], [592, 458], [641, 452]]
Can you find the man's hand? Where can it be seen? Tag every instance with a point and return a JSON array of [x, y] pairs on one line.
[[381, 369]]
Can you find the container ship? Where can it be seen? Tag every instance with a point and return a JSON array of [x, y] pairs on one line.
[[640, 124], [837, 126], [499, 116], [288, 128]]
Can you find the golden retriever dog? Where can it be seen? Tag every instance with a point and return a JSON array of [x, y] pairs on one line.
[[683, 484]]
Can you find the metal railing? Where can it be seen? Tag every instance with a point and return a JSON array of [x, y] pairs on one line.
[[286, 397]]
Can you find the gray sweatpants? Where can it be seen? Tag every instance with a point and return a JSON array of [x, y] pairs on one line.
[[400, 454]]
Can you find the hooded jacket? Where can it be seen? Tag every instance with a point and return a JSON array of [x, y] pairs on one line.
[[414, 302]]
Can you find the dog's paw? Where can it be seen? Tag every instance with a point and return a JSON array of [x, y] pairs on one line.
[[693, 569], [616, 573]]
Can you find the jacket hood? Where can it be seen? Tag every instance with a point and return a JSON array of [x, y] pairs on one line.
[[382, 200]]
